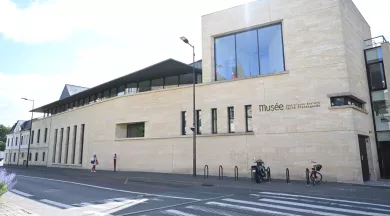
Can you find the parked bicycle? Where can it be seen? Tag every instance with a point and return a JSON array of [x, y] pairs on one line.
[[258, 171], [315, 175]]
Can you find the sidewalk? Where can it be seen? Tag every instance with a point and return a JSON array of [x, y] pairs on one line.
[[9, 208]]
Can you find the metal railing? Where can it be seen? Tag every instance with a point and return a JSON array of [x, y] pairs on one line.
[[374, 42], [220, 172], [206, 168]]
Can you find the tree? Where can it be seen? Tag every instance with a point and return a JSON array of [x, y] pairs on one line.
[[3, 138]]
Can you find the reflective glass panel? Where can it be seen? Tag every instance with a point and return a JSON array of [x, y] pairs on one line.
[[377, 77], [271, 49], [186, 79], [225, 58], [247, 54], [131, 88], [380, 106], [121, 90], [374, 55]]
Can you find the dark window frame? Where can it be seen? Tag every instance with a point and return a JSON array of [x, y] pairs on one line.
[[230, 118], [43, 156], [135, 125], [183, 122], [38, 136], [198, 121], [247, 117], [36, 156], [347, 101], [45, 139], [214, 121]]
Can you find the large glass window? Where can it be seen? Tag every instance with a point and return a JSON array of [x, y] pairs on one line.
[[144, 86], [248, 117], [380, 106], [106, 94], [158, 84], [99, 97], [171, 82], [131, 88], [250, 53], [113, 92], [225, 58], [377, 77], [271, 49], [92, 99], [247, 54]]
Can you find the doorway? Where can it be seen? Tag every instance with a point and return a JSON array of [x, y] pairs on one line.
[[363, 157]]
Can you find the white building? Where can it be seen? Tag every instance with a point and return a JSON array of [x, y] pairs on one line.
[[17, 143]]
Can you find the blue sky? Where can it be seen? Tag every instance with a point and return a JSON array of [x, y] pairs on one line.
[[45, 44]]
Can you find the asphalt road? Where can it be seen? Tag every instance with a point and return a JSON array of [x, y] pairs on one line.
[[86, 195]]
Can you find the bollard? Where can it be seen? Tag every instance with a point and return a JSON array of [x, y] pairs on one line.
[[307, 176], [269, 174], [288, 176], [235, 173], [220, 172], [206, 168]]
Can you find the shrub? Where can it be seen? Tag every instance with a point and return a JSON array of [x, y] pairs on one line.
[[7, 181]]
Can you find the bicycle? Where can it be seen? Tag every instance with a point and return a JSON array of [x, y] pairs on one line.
[[315, 175]]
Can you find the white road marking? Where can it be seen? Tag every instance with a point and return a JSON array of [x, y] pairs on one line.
[[111, 189], [94, 213], [87, 204], [326, 203], [61, 205], [312, 212], [350, 211], [21, 193], [177, 213], [213, 211], [249, 208], [320, 198], [126, 204]]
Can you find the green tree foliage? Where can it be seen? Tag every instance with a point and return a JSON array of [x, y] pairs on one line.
[[3, 132]]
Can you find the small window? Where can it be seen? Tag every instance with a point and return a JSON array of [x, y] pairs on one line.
[[186, 79], [43, 156], [32, 137], [22, 154], [45, 139], [29, 156], [171, 82], [183, 122], [136, 130], [157, 84], [16, 141], [121, 90], [144, 86], [36, 156], [131, 88], [198, 121], [248, 117], [345, 101], [39, 135], [86, 100], [106, 94], [14, 157], [113, 92], [214, 121], [231, 119], [92, 99]]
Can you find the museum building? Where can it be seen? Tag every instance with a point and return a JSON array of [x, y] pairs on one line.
[[289, 82]]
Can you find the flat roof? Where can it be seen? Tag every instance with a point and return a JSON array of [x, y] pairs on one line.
[[167, 68]]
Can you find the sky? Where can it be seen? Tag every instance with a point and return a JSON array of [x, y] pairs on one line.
[[45, 44]]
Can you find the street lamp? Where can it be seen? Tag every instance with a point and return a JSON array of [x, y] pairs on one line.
[[30, 139], [194, 125]]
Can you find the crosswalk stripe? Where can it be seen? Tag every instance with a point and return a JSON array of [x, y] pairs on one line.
[[214, 211], [178, 213], [21, 193], [249, 208], [323, 207], [61, 205], [87, 204], [320, 198], [326, 203], [283, 207]]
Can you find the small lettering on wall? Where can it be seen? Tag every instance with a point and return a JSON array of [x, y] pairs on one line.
[[279, 107]]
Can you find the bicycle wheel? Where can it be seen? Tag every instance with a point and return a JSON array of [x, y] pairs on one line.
[[316, 177], [319, 177]]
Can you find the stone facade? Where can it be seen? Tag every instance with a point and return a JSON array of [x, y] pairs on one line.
[[323, 49]]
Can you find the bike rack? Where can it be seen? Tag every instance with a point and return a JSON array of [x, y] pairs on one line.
[[206, 168], [269, 174], [220, 171], [307, 176], [288, 176], [235, 173]]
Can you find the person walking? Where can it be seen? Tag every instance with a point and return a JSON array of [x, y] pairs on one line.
[[94, 162]]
